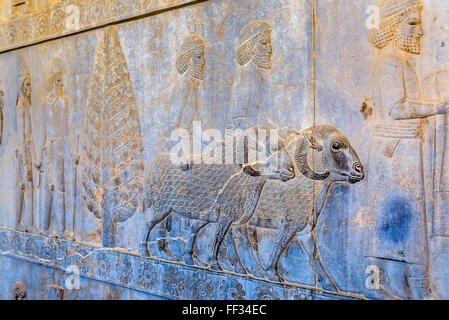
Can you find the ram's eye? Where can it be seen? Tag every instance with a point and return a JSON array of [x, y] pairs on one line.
[[335, 146]]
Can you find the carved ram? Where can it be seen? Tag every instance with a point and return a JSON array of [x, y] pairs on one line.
[[206, 193], [293, 208]]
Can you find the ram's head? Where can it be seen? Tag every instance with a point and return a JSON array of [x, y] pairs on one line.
[[261, 152], [322, 152]]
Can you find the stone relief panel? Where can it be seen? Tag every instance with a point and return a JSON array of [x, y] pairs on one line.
[[99, 121]]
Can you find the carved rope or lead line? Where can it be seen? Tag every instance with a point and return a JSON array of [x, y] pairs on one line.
[[154, 277], [77, 16]]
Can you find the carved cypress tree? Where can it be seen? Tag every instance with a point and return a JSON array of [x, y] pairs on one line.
[[113, 158]]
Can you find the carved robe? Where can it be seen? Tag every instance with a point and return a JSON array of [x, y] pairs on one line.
[[25, 150], [396, 194], [247, 97], [184, 108], [54, 146], [54, 152], [24, 164]]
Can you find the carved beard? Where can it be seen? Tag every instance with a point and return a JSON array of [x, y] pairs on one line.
[[262, 59], [408, 43], [196, 71]]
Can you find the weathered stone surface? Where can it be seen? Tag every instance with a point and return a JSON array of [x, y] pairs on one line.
[[123, 175]]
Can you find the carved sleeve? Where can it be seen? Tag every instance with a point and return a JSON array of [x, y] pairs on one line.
[[241, 95], [396, 84], [178, 102]]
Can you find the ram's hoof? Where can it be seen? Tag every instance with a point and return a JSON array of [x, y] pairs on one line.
[[273, 276], [143, 250], [188, 260], [258, 274], [21, 228], [67, 235], [215, 266], [326, 284]]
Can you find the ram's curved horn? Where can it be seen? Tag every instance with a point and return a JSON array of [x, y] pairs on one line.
[[301, 152]]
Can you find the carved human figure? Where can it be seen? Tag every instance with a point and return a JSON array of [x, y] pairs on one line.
[[184, 105], [396, 242], [2, 104], [25, 152], [254, 57], [56, 144]]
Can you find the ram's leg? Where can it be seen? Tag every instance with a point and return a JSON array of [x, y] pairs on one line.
[[195, 228], [323, 277], [157, 216], [220, 233], [247, 249], [161, 238], [283, 239]]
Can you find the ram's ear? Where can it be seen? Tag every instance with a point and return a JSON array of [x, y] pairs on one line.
[[249, 170]]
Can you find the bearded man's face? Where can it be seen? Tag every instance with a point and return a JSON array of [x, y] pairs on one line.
[[262, 52], [59, 85], [27, 88], [197, 64], [409, 33]]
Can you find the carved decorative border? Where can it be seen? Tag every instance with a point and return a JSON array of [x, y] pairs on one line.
[[75, 16], [155, 277]]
